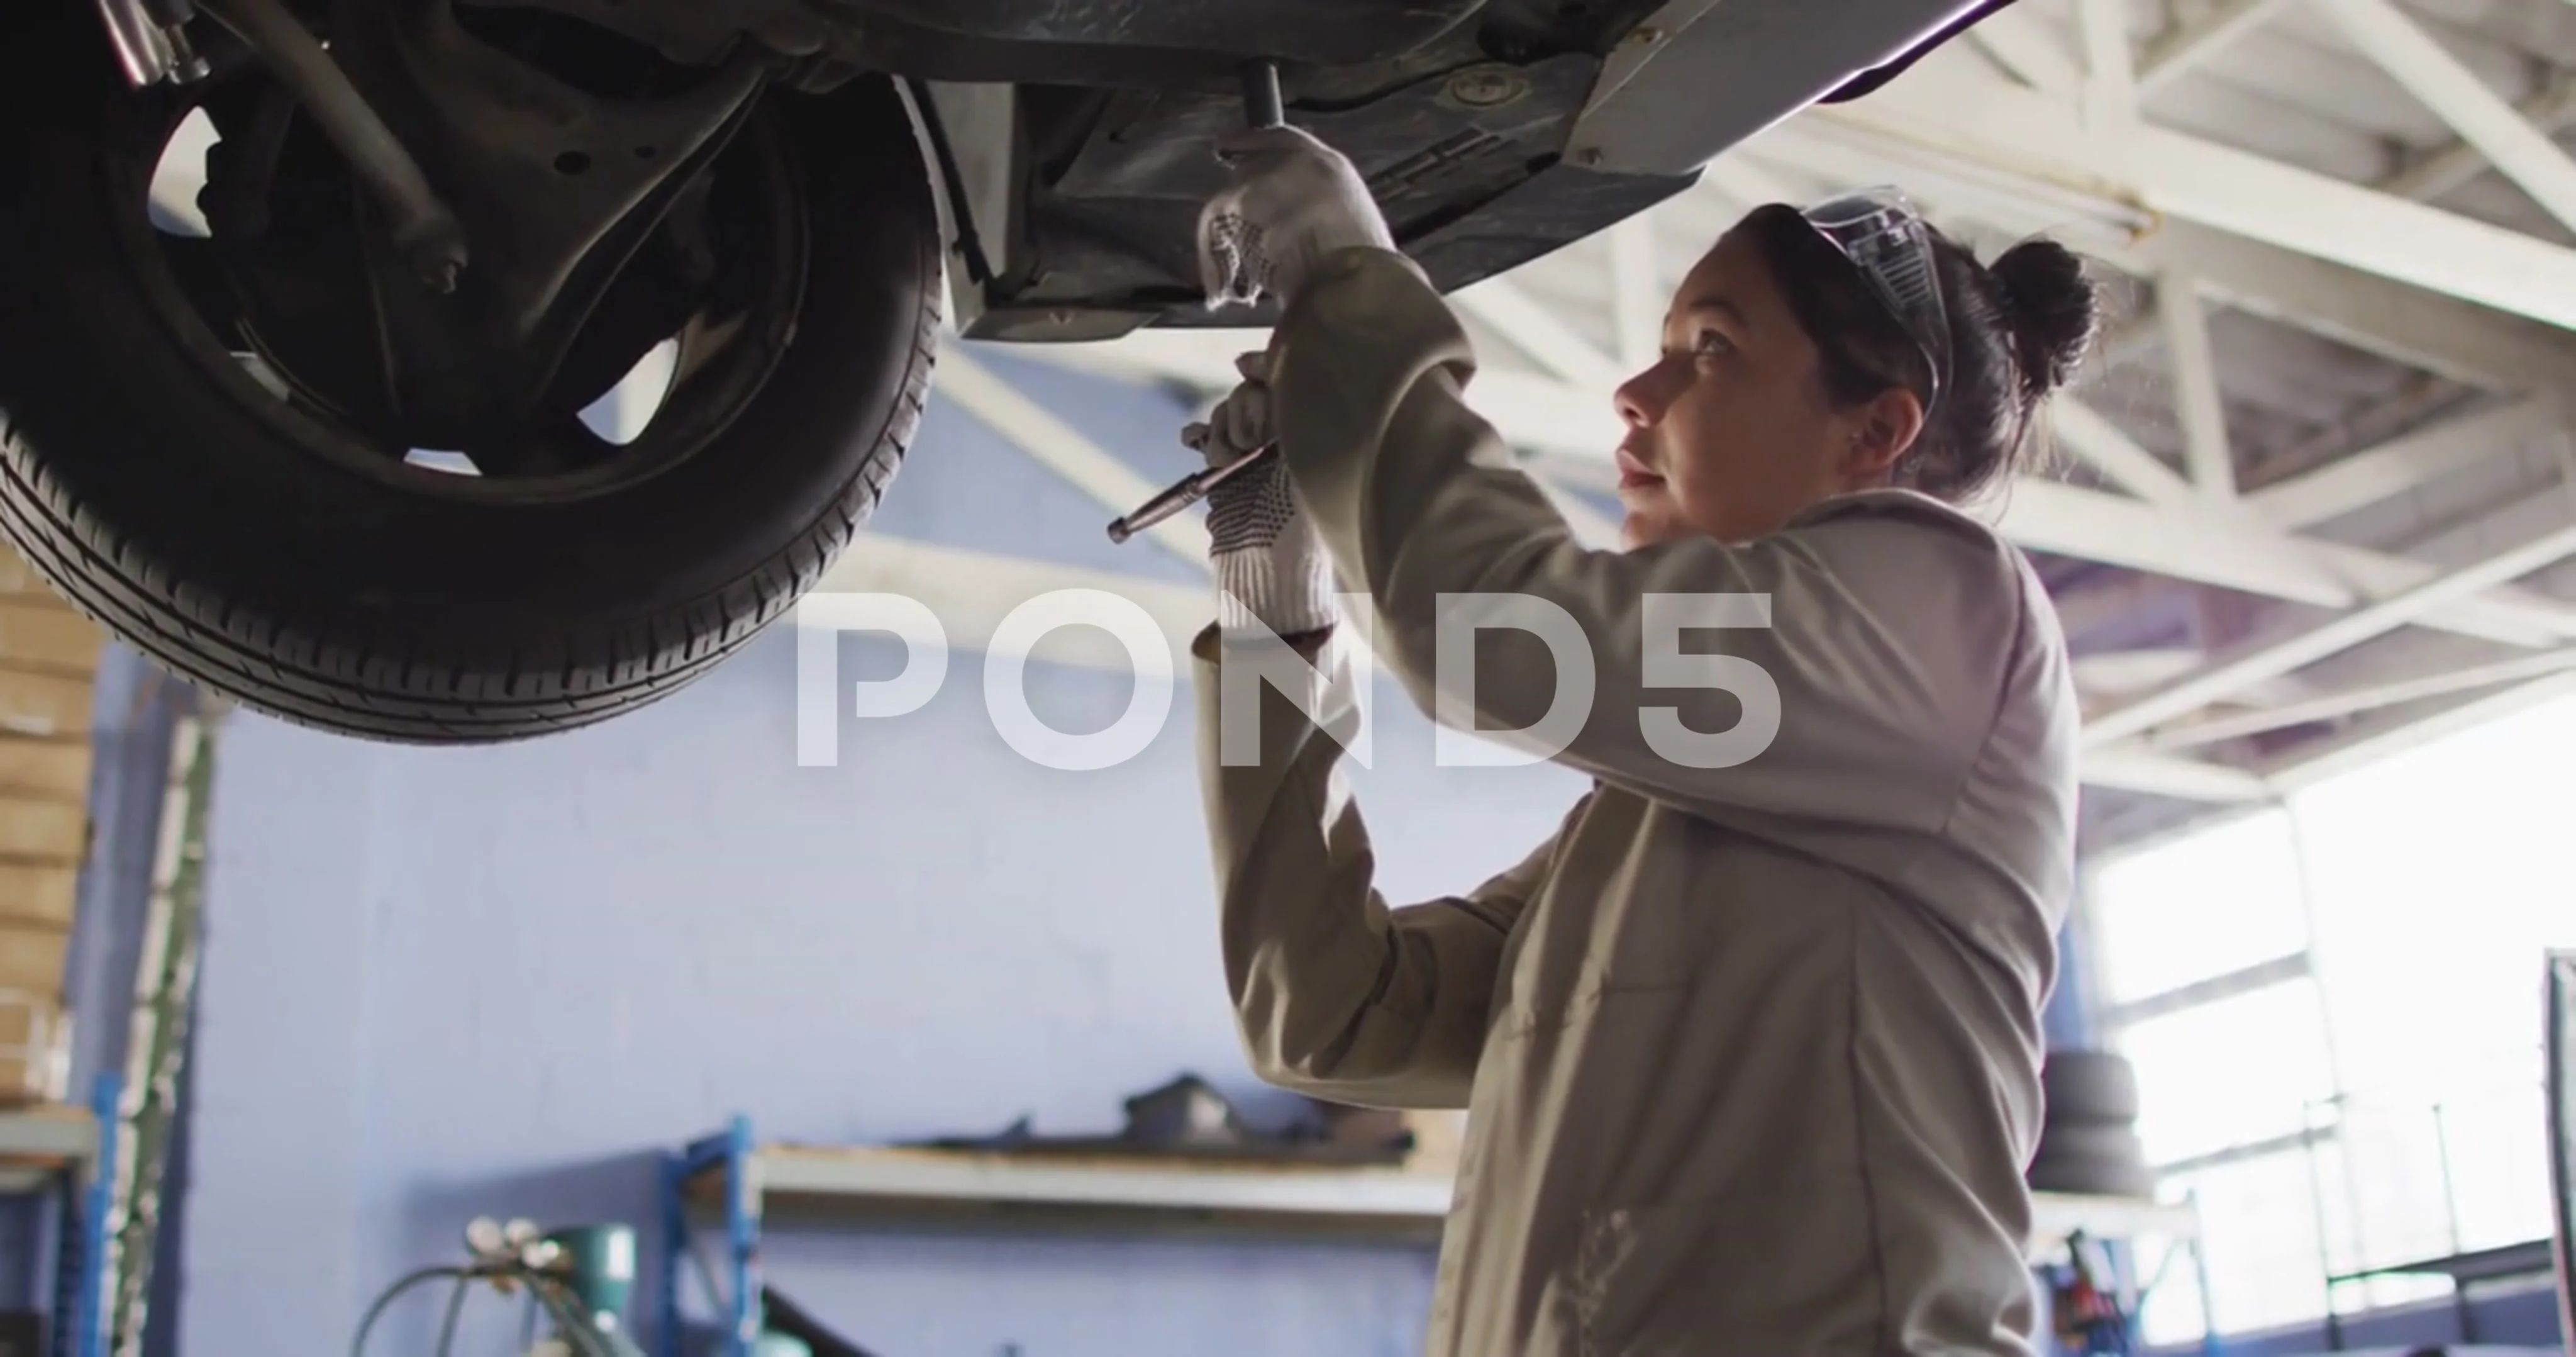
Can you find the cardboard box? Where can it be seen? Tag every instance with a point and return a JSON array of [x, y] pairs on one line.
[[43, 832], [31, 959], [55, 770], [41, 634], [19, 578], [44, 705], [34, 893], [35, 1049], [26, 1020]]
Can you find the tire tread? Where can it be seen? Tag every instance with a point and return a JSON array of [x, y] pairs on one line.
[[228, 645]]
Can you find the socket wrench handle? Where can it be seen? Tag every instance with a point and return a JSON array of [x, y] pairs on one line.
[[1186, 492]]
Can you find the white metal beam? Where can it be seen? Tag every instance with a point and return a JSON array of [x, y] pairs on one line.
[[2482, 117], [2203, 548], [2132, 769], [2376, 420], [1063, 449], [2173, 54], [2508, 613], [2270, 659], [2090, 436], [1538, 333], [2085, 217], [2131, 607], [2308, 766], [2368, 697], [2440, 334], [2127, 342], [2110, 75], [1636, 292], [2121, 673], [2552, 110], [1553, 418], [971, 592], [2195, 376], [2106, 675], [2019, 44], [1537, 412], [1748, 185], [2405, 463], [1946, 110]]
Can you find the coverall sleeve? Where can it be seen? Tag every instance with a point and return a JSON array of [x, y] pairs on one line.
[[1892, 618], [1336, 993]]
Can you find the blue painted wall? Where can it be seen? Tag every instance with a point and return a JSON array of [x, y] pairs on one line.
[[443, 983]]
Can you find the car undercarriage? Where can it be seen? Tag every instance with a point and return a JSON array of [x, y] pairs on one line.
[[454, 226]]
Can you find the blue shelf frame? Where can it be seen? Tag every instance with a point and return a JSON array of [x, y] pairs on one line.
[[85, 1193], [733, 1150]]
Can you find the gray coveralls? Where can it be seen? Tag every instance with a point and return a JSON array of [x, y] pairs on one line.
[[1750, 1053]]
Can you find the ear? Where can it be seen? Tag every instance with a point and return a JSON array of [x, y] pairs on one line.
[[1883, 430]]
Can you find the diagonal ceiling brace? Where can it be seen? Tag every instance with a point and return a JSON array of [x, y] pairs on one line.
[[2350, 701], [2482, 117], [2020, 45], [1961, 115], [2174, 54], [2360, 479], [2271, 659], [2203, 413], [1545, 415], [2110, 74]]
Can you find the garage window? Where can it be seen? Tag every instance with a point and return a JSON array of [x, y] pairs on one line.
[[2334, 1007], [2243, 1070], [2264, 1249], [2223, 900]]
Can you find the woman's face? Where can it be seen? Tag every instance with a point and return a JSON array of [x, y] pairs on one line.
[[1731, 432]]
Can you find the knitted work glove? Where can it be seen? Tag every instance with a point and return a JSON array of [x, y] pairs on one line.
[[1270, 570], [1293, 201]]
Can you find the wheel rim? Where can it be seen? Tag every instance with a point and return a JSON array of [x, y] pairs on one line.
[[681, 342]]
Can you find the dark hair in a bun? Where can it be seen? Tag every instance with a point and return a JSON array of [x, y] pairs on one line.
[[2051, 309], [2020, 328]]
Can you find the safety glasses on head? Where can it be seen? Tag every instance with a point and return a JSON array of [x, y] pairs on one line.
[[1881, 233]]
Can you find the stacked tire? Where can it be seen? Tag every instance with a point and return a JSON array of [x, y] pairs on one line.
[[2088, 1137]]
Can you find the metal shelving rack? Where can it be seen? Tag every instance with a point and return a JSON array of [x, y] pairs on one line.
[[728, 1161], [733, 1176], [58, 1148]]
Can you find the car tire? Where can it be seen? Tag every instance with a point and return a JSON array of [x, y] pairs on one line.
[[2074, 1175], [2103, 1144], [136, 476], [2094, 1088]]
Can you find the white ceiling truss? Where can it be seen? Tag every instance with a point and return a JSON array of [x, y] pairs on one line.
[[2317, 497]]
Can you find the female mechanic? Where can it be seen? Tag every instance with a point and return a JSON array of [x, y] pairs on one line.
[[1751, 1045]]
